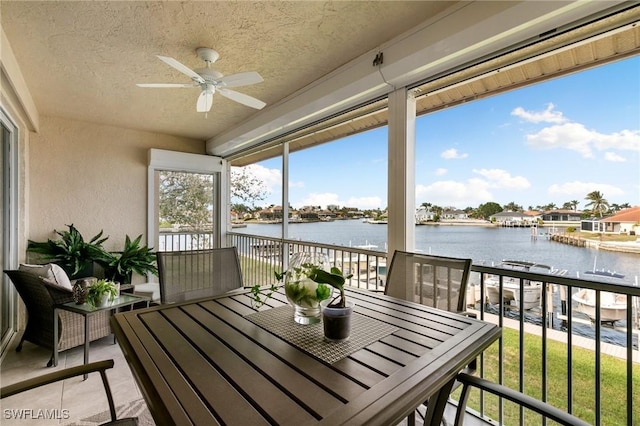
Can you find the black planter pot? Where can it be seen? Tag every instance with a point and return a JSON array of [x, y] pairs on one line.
[[85, 271], [337, 322]]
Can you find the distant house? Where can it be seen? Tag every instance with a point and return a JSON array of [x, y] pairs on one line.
[[626, 221], [533, 215], [511, 218], [454, 215], [273, 213], [424, 215], [561, 216], [592, 225]]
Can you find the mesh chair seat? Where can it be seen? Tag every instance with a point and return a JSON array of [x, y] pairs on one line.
[[189, 275], [437, 281]]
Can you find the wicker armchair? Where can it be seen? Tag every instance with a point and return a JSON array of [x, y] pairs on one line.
[[39, 299]]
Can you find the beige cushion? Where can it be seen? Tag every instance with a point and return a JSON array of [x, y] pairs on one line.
[[50, 273], [150, 290]]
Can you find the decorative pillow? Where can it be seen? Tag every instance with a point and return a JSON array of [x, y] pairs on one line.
[[51, 273], [43, 271], [61, 278]]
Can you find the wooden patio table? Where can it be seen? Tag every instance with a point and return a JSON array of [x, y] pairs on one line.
[[217, 361]]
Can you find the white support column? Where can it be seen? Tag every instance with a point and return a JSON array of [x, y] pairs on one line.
[[285, 204], [401, 196]]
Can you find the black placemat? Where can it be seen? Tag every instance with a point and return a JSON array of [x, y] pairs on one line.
[[310, 338]]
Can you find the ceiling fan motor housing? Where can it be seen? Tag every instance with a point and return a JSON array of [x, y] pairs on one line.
[[207, 54]]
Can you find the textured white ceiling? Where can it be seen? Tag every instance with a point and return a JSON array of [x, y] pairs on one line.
[[81, 60]]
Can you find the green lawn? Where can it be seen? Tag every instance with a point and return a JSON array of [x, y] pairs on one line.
[[613, 381]]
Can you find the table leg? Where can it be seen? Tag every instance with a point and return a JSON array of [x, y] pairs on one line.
[[436, 405], [86, 342], [55, 337]]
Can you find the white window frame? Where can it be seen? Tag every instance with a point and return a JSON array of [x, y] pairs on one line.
[[160, 159]]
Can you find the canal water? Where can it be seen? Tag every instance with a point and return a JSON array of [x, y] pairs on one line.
[[485, 245]]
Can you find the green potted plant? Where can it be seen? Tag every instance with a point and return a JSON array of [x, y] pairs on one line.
[[101, 292], [336, 313], [120, 265], [75, 255]]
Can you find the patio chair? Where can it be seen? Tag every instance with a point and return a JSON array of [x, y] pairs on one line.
[[519, 398], [436, 281], [188, 275], [39, 298], [67, 373]]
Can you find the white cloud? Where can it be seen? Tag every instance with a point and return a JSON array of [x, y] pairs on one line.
[[498, 178], [272, 178], [452, 193], [576, 137], [319, 199], [299, 184], [364, 203], [441, 171], [613, 157], [453, 154], [546, 116], [579, 190]]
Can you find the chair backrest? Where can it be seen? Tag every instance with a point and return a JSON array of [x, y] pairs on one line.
[[436, 281], [188, 275]]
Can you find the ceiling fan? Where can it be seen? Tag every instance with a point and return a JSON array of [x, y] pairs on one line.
[[211, 81]]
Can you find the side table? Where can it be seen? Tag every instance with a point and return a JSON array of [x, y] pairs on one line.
[[86, 310]]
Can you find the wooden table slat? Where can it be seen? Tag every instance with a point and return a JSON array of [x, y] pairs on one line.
[[277, 385]]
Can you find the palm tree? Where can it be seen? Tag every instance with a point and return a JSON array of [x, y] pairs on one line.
[[513, 207], [598, 203], [575, 203]]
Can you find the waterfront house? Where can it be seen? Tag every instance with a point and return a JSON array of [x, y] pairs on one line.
[[455, 214], [626, 221], [423, 214], [561, 216], [510, 218], [82, 144]]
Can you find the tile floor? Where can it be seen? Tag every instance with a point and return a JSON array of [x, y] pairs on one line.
[[69, 400]]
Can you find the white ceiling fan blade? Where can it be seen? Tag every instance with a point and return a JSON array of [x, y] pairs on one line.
[[163, 85], [242, 98], [205, 100], [182, 68], [241, 79]]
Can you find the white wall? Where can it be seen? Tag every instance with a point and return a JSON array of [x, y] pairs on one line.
[[94, 177]]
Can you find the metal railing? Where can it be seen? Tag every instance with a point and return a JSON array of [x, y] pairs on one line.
[[586, 330], [180, 241], [261, 256], [571, 345]]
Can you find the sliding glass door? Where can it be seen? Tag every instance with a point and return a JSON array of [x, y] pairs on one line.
[[8, 239]]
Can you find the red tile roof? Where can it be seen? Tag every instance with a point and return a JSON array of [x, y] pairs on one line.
[[626, 215]]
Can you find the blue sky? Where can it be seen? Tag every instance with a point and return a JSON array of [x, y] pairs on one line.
[[552, 142]]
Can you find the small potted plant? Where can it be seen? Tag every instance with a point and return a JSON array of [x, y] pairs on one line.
[[336, 313], [100, 293]]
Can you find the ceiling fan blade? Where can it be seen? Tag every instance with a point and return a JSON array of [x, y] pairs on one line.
[[205, 100], [182, 68], [162, 85], [241, 79], [242, 98]]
